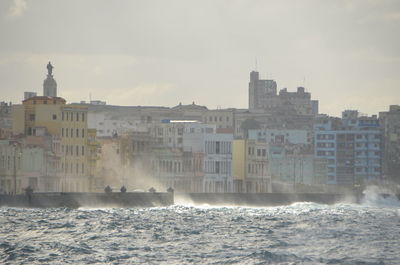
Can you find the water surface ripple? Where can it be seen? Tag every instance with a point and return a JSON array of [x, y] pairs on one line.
[[302, 233]]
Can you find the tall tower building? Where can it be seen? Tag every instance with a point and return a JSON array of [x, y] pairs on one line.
[[262, 93], [49, 84]]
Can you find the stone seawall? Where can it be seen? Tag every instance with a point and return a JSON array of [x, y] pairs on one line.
[[266, 199], [82, 199]]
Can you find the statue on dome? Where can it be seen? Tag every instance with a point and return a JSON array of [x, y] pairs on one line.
[[50, 69]]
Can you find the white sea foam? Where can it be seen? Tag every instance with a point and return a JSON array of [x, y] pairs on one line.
[[379, 197]]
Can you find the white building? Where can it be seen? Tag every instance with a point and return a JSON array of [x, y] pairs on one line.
[[217, 154], [108, 127]]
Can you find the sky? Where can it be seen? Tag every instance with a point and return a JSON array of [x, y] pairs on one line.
[[346, 53]]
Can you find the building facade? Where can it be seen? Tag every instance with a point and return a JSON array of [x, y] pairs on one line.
[[51, 116], [352, 147], [251, 172], [390, 124]]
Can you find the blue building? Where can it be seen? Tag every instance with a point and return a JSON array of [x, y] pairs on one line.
[[352, 147]]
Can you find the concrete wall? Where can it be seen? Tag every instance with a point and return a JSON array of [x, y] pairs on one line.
[[74, 200]]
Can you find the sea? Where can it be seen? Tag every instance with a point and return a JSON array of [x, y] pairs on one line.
[[301, 233]]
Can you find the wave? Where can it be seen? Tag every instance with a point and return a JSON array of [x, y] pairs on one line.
[[379, 197]]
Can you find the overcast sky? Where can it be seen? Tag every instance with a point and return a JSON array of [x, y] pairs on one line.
[[149, 52]]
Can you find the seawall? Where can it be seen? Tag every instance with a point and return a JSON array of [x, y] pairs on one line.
[[83, 199]]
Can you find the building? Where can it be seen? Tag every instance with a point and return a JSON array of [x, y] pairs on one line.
[[250, 166], [291, 158], [173, 167], [263, 97], [222, 118], [29, 95], [352, 147], [107, 127], [5, 120], [51, 116], [282, 136], [262, 93], [295, 167], [390, 124], [29, 161]]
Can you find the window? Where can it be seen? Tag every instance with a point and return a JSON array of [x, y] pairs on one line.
[[62, 115], [45, 102], [66, 166], [83, 116], [67, 116], [83, 168], [62, 132], [77, 132], [54, 117], [62, 149], [77, 150], [77, 116], [72, 116], [77, 168], [83, 150], [72, 132], [66, 132], [31, 117], [83, 133]]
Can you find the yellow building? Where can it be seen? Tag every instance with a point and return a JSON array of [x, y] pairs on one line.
[[250, 166], [67, 121]]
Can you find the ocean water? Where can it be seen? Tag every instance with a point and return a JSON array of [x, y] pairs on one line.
[[302, 233]]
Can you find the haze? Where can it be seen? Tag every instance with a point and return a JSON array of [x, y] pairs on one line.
[[346, 53]]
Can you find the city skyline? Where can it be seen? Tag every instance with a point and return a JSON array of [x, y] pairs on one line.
[[343, 53]]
